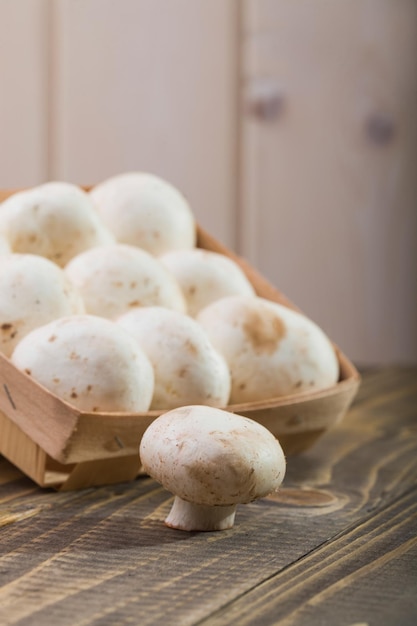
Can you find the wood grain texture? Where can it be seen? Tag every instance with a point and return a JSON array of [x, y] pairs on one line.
[[363, 562], [149, 85], [328, 186], [24, 78], [337, 540]]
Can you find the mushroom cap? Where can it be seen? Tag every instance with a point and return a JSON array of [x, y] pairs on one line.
[[209, 456], [144, 210], [4, 245], [33, 292], [89, 362], [56, 220], [206, 276], [188, 370], [115, 279], [271, 350]]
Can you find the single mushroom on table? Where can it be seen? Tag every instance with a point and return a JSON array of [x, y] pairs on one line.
[[211, 460]]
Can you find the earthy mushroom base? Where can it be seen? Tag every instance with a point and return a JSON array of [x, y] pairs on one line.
[[186, 515]]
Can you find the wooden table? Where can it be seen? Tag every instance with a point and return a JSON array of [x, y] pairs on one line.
[[336, 546]]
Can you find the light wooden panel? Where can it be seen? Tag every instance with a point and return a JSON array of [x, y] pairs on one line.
[[329, 192], [24, 92], [149, 85]]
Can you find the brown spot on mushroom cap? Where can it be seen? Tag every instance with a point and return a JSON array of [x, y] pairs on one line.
[[190, 347], [263, 330], [9, 332]]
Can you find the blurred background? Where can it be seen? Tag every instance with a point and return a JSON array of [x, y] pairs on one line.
[[290, 125]]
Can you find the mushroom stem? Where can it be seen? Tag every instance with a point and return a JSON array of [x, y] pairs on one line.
[[188, 516]]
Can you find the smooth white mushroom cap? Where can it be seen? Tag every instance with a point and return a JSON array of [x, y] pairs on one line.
[[208, 456], [4, 245], [56, 220], [33, 292], [206, 276], [115, 279], [270, 349], [143, 210], [89, 362], [188, 370]]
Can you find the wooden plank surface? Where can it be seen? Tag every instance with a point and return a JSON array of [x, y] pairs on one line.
[[336, 545], [328, 171], [149, 85], [24, 101]]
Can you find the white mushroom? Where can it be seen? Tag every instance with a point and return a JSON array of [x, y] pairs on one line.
[[188, 370], [271, 350], [4, 244], [89, 362], [115, 279], [206, 276], [56, 220], [143, 210], [211, 460], [33, 291]]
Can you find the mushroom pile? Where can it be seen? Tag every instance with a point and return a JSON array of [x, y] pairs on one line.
[[126, 251], [106, 301]]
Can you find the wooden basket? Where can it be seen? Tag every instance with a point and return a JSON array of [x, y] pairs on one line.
[[59, 446]]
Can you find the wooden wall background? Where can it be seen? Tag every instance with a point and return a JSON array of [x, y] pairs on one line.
[[290, 125]]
